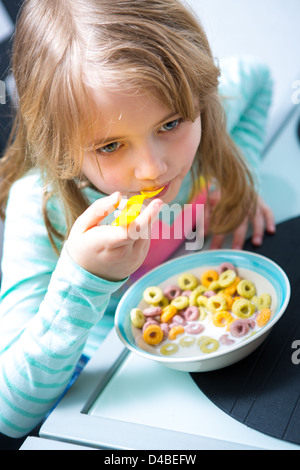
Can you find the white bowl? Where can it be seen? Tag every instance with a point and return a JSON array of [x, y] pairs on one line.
[[266, 275]]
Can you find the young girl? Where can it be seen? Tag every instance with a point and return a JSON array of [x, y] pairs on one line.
[[113, 98]]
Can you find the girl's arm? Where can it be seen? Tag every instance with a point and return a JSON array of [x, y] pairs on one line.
[[48, 307], [246, 88]]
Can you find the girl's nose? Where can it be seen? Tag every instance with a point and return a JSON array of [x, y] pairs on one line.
[[150, 163]]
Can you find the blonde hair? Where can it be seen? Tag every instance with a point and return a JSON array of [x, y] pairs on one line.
[[64, 48]]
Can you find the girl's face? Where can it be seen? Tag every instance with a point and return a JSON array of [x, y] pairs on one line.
[[139, 144]]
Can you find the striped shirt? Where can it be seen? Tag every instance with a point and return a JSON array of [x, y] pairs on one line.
[[53, 312]]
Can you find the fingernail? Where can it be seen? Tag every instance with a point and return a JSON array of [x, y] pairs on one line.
[[257, 241]]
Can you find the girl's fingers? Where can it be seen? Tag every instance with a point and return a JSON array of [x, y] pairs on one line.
[[217, 242], [239, 235], [97, 211], [141, 226]]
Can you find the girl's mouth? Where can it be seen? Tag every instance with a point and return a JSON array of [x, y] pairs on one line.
[[162, 192]]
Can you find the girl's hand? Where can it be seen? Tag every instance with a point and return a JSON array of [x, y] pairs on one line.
[[112, 253], [263, 220]]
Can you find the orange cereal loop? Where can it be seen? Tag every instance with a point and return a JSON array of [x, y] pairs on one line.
[[231, 290], [168, 313], [175, 331], [153, 334], [209, 276], [263, 317], [222, 318]]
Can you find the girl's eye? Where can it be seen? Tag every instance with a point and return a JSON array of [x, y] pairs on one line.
[[109, 148], [170, 126]]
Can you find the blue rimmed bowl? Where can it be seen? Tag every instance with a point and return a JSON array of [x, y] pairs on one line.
[[266, 275]]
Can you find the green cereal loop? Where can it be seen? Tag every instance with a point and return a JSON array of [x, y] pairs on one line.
[[187, 281], [243, 308], [199, 290], [201, 339], [153, 295], [227, 278], [169, 348], [137, 317], [181, 302], [216, 303], [214, 285], [202, 301], [246, 289], [187, 341], [163, 302], [203, 313], [209, 345], [264, 301]]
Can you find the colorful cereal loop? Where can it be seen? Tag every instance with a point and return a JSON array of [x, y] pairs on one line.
[[153, 335], [216, 303], [171, 292], [209, 345], [239, 328], [231, 290], [243, 308], [187, 341], [228, 298], [227, 278], [202, 301], [246, 289], [169, 349], [263, 301], [137, 317], [263, 317], [208, 277], [168, 313], [181, 302], [199, 290], [187, 281], [222, 318], [175, 331], [153, 295]]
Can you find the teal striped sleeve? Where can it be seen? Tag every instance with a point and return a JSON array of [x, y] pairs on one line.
[[246, 88], [37, 366], [48, 307]]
